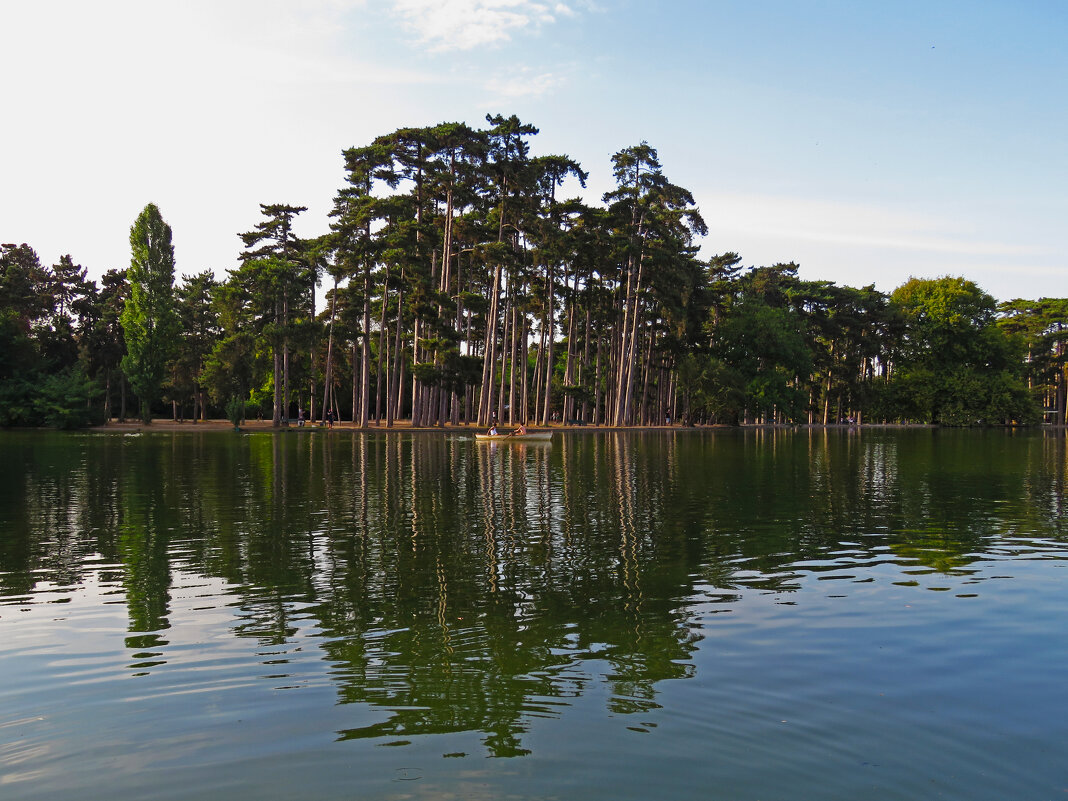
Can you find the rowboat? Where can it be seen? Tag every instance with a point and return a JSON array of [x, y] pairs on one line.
[[530, 436]]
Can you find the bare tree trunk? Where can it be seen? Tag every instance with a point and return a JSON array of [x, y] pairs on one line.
[[365, 361], [276, 414], [646, 369], [584, 364], [489, 355], [550, 329], [380, 381], [107, 396], [400, 389], [538, 383], [524, 361], [417, 395], [355, 386], [615, 359], [597, 418], [454, 414], [624, 342], [539, 373], [328, 368], [629, 366], [827, 399], [1061, 393], [505, 346], [285, 361], [514, 415], [568, 411], [393, 401], [673, 396]]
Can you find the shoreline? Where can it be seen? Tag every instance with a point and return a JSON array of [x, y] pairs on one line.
[[401, 426]]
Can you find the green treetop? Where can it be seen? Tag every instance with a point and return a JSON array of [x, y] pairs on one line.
[[149, 317]]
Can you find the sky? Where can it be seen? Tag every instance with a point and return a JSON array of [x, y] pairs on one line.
[[867, 142]]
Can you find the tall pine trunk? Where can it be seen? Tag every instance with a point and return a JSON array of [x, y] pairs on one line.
[[365, 360], [328, 369], [393, 399], [489, 354], [276, 414]]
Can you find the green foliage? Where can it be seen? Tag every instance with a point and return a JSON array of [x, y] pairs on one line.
[[23, 284], [18, 354], [943, 318], [765, 350], [773, 392], [65, 400], [1039, 328], [973, 398], [455, 266], [60, 400], [235, 411], [712, 390], [45, 315], [199, 332], [149, 317], [103, 341], [955, 365], [16, 402], [230, 367], [260, 400]]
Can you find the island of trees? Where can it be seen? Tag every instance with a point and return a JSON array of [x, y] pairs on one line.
[[462, 287]]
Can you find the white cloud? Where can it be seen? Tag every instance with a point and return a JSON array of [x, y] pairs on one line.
[[466, 24], [846, 223], [856, 243], [526, 83]]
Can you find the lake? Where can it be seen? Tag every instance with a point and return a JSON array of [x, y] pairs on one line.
[[719, 614]]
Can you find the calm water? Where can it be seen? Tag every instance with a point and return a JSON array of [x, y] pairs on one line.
[[691, 615]]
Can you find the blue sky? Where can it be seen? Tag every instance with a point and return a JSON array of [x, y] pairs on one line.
[[867, 142]]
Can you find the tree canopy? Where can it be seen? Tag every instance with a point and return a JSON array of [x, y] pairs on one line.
[[149, 317], [464, 285]]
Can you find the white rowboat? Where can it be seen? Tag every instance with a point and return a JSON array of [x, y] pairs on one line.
[[530, 436]]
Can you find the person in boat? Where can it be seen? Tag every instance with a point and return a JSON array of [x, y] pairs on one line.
[[520, 431], [493, 430]]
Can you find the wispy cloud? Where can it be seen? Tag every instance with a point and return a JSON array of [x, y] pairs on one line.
[[466, 24], [526, 83], [850, 224]]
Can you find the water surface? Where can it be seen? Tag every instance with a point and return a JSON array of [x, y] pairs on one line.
[[713, 615]]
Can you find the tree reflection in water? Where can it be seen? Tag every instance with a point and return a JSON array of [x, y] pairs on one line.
[[462, 587], [466, 585]]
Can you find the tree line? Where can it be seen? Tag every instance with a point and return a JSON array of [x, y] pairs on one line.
[[462, 286]]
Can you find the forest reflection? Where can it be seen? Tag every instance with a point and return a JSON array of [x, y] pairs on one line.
[[460, 586]]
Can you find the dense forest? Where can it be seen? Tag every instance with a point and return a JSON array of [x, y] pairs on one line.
[[462, 287]]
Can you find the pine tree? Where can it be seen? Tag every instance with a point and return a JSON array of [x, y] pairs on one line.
[[285, 284]]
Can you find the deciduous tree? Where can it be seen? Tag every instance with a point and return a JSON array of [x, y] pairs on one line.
[[149, 317]]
